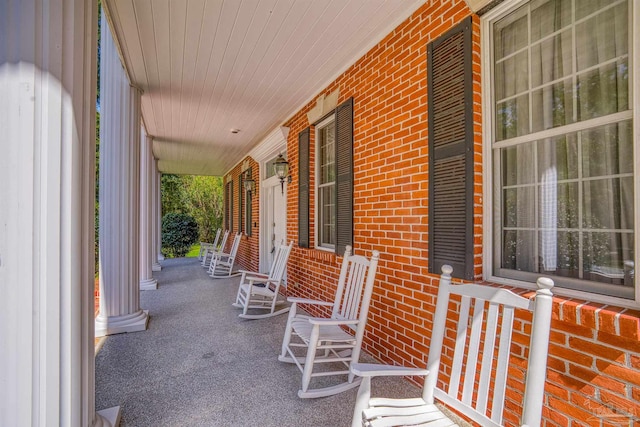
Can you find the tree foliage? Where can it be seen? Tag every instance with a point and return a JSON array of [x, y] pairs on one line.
[[198, 196], [179, 233], [205, 204], [174, 197]]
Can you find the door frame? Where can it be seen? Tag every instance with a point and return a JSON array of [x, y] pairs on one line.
[[270, 187], [275, 143]]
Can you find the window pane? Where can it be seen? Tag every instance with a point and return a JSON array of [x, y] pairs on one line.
[[270, 168], [517, 165], [512, 118], [560, 253], [603, 91], [519, 207], [585, 8], [551, 59], [518, 252], [327, 215], [510, 33], [607, 150], [602, 37], [512, 76], [609, 258], [559, 156], [552, 106], [327, 154], [608, 203], [568, 205], [549, 16]]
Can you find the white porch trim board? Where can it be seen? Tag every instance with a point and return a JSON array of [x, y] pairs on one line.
[[119, 197], [147, 250], [47, 152]]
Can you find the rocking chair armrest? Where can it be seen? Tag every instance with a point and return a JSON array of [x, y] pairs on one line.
[[309, 301], [332, 322], [376, 369], [254, 275]]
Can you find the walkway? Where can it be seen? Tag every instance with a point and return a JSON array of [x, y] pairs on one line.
[[198, 364]]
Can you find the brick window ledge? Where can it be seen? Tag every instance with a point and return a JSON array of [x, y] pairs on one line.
[[623, 322], [616, 326]]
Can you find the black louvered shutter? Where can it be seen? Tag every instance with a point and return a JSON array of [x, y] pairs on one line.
[[450, 94], [226, 206], [230, 206], [344, 176], [303, 188], [240, 188]]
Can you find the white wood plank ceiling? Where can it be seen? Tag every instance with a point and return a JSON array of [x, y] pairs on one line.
[[209, 66]]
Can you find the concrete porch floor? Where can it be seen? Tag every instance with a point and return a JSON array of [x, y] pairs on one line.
[[199, 364]]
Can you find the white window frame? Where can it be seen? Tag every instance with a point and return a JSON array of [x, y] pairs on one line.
[[491, 216], [329, 121]]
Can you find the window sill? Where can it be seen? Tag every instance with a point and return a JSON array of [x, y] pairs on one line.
[[322, 254]]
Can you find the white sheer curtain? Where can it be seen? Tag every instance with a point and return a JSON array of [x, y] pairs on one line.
[[580, 211]]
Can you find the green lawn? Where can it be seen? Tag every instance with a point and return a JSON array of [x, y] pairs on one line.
[[195, 250]]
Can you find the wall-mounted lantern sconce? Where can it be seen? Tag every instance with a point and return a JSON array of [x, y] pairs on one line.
[[249, 182], [281, 168]]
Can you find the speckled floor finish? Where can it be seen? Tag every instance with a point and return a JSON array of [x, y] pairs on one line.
[[199, 364]]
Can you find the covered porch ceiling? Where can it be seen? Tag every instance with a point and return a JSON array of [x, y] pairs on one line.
[[207, 67]]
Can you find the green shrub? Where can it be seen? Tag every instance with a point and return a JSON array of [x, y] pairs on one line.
[[179, 233]]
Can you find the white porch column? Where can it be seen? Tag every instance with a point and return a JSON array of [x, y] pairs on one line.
[[47, 158], [159, 214], [155, 215], [119, 197], [147, 250]]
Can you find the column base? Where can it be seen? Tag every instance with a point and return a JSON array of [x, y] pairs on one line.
[[108, 417], [156, 266], [148, 284], [120, 324]]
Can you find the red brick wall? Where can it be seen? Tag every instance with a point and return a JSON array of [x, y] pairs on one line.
[[594, 361], [249, 250]]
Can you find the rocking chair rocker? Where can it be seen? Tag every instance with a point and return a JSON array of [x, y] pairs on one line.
[[327, 335]]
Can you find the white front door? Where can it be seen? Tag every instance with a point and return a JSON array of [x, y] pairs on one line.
[[276, 216]]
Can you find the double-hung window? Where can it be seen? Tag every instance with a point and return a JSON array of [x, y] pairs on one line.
[[562, 143], [326, 183]]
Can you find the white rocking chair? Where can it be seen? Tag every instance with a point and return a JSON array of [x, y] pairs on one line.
[[222, 263], [208, 249], [261, 291], [219, 250], [479, 350], [327, 335]]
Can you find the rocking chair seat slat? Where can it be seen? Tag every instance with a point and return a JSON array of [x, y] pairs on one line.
[[420, 414], [332, 332]]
